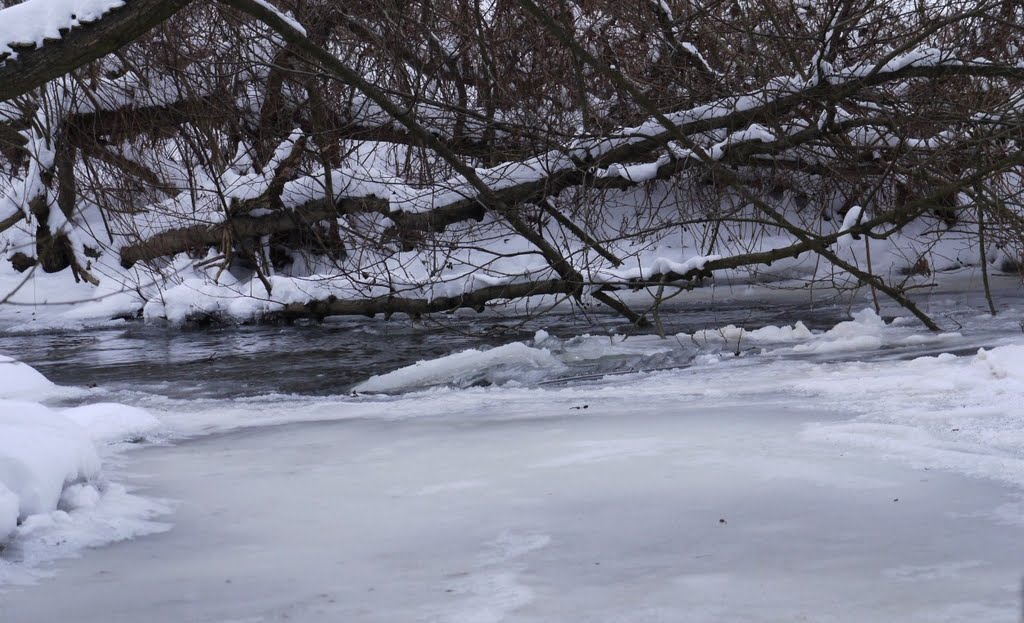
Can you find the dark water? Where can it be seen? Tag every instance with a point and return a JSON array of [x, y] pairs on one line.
[[329, 358]]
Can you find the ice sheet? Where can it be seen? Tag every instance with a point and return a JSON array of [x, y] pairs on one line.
[[683, 514]]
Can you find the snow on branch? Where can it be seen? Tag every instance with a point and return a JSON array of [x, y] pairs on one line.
[[41, 40], [31, 23]]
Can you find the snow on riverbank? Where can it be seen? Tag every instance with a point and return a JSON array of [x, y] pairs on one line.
[[54, 498], [183, 289]]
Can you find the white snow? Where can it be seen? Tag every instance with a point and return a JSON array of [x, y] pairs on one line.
[[731, 334], [34, 21], [287, 19], [10, 507], [746, 487], [107, 422], [515, 361], [41, 452], [51, 482], [549, 357], [18, 380], [496, 503], [653, 268], [852, 219], [634, 172]]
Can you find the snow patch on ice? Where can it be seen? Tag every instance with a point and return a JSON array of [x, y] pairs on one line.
[[101, 517], [864, 332], [598, 451], [731, 334], [494, 589], [449, 487], [511, 362]]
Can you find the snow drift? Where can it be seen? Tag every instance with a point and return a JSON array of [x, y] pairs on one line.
[[51, 474]]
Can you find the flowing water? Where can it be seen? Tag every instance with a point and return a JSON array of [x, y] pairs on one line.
[[329, 358]]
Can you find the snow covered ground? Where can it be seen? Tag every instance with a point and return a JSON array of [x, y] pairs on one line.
[[868, 471]]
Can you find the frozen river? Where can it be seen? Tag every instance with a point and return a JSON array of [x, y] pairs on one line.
[[830, 472], [643, 514]]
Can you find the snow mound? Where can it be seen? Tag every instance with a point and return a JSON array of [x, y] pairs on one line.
[[41, 452], [108, 422], [1003, 362], [18, 380], [497, 366], [51, 484], [864, 332]]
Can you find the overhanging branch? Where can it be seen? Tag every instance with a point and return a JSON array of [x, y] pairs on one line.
[[83, 44]]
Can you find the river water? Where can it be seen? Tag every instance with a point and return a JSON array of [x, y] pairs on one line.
[[329, 358], [713, 487]]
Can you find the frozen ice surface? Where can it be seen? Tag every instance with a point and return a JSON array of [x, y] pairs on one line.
[[625, 511]]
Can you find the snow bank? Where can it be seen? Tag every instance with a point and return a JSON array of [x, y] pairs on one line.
[[515, 361], [957, 413], [107, 422], [18, 380], [1003, 362], [50, 464], [40, 453]]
